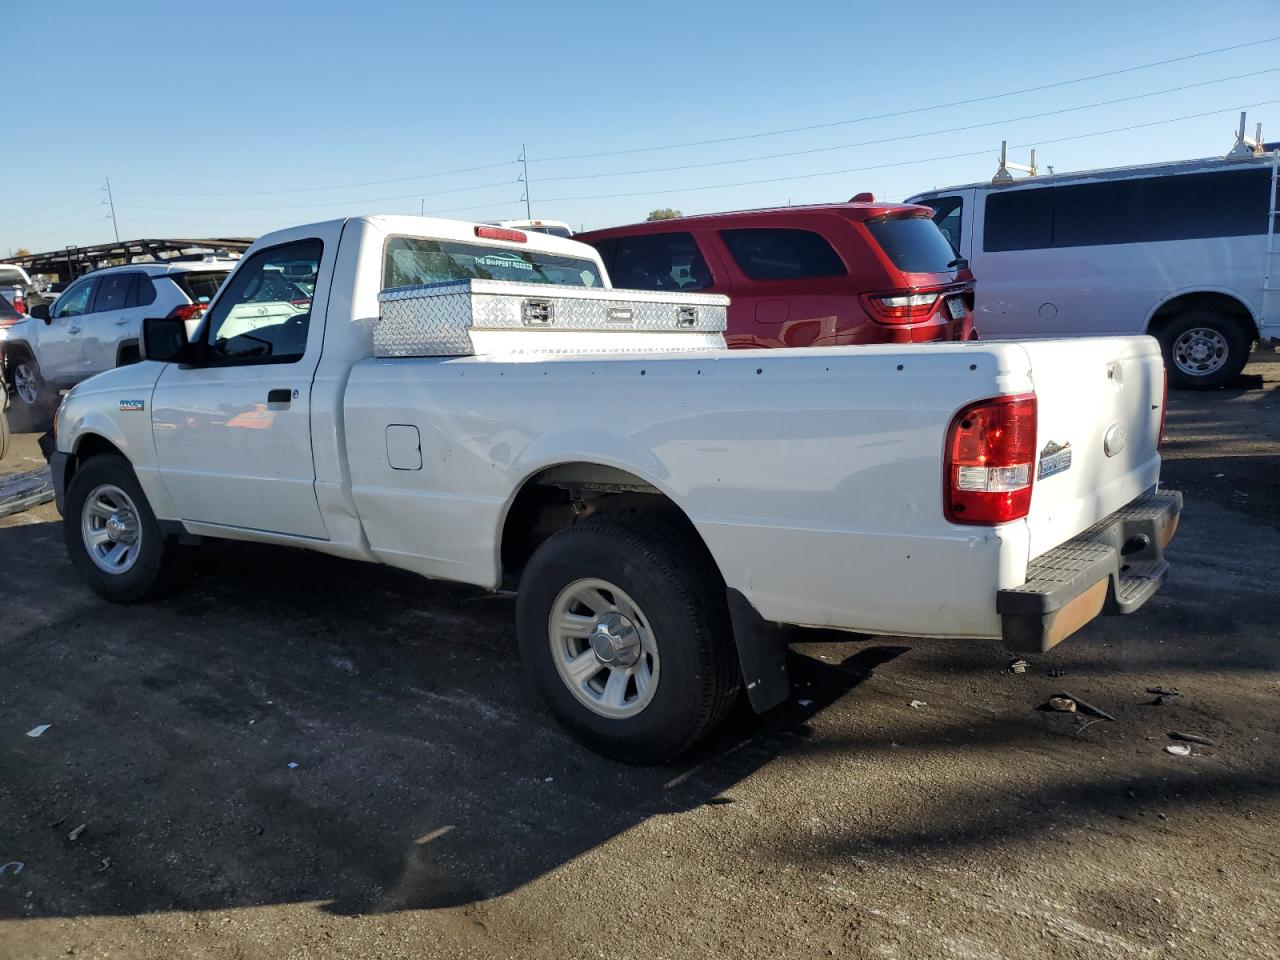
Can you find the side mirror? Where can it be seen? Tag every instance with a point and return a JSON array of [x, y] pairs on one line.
[[165, 339], [41, 312]]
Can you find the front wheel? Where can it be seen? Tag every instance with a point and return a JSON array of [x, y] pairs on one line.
[[625, 630], [34, 401], [112, 536], [1203, 349]]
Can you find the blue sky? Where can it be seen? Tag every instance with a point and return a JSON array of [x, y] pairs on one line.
[[234, 118]]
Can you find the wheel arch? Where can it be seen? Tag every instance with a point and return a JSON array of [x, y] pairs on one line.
[[1214, 300], [553, 496]]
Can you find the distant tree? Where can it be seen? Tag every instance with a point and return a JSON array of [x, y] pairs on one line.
[[22, 252], [665, 213]]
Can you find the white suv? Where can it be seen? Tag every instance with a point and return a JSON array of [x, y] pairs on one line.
[[93, 326]]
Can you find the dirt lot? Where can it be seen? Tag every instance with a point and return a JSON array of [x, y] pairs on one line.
[[434, 811]]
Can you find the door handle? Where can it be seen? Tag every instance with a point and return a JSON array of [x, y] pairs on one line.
[[279, 396], [73, 330], [122, 321]]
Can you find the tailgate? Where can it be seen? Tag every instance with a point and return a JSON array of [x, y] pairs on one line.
[[1098, 403]]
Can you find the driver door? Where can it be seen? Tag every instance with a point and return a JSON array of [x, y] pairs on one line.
[[233, 434]]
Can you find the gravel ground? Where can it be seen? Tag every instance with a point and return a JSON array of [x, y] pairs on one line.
[[434, 810]]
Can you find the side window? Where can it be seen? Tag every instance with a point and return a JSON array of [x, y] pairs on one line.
[[1018, 220], [264, 313], [144, 291], [74, 302], [659, 261], [113, 292], [948, 213], [1196, 205], [1094, 214], [782, 254]]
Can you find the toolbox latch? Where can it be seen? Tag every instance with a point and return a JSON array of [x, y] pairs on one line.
[[536, 313], [686, 316]]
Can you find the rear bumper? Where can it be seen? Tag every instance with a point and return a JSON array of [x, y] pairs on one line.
[[1113, 567]]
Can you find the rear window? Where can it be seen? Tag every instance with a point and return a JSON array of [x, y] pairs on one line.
[[913, 244], [776, 254], [200, 287], [7, 310], [410, 261], [11, 278]]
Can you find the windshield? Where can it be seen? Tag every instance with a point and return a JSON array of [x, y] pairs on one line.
[[411, 261], [914, 244]]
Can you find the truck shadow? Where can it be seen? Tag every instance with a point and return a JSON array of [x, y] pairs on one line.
[[291, 728]]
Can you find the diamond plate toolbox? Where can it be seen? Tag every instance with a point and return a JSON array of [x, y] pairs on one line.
[[473, 317]]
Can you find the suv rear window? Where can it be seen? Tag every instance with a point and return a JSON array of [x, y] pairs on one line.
[[7, 310], [913, 244], [410, 261], [779, 254], [200, 287]]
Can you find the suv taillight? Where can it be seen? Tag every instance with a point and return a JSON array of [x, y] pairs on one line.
[[19, 303], [189, 311], [990, 461], [901, 306]]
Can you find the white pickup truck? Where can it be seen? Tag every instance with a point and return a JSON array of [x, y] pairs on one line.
[[668, 508]]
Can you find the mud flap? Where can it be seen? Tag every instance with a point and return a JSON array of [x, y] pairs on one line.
[[762, 654]]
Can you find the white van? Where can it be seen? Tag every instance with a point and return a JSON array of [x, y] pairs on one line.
[[1186, 252]]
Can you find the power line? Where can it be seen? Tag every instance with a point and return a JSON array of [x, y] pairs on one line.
[[903, 163], [336, 186], [902, 113], [327, 203], [19, 216], [242, 223], [908, 136]]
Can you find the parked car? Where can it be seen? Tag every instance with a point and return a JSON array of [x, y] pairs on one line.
[[665, 504], [93, 326], [825, 275], [17, 288], [1181, 251]]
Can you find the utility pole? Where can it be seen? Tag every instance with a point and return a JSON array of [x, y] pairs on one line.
[[422, 207], [112, 203], [524, 159]]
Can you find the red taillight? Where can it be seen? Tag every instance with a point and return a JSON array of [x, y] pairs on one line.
[[990, 461], [1164, 408], [501, 233], [189, 311], [19, 303], [901, 306]]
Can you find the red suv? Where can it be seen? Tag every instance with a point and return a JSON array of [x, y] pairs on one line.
[[823, 275]]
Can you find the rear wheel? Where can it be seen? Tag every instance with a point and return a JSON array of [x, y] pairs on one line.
[[33, 401], [1203, 349], [112, 536], [625, 630]]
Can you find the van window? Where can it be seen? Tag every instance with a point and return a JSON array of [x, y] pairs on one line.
[[1093, 214], [410, 260], [914, 244], [1018, 220], [1227, 204], [780, 254], [948, 213], [659, 261]]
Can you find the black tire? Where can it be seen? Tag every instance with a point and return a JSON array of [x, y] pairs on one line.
[[149, 572], [679, 591], [24, 416], [1219, 366]]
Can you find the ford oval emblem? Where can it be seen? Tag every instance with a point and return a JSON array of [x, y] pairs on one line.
[[1114, 439]]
